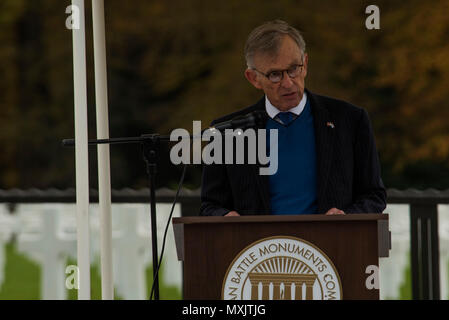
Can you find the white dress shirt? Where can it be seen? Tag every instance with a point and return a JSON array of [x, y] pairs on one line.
[[273, 111]]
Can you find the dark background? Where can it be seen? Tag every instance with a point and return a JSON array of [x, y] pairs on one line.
[[172, 62]]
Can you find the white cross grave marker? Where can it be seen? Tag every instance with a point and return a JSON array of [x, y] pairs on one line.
[[443, 234], [129, 252], [7, 227], [49, 246], [392, 269]]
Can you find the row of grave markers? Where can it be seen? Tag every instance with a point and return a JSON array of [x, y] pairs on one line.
[[46, 233]]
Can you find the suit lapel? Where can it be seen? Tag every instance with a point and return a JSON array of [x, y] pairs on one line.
[[324, 144], [263, 184]]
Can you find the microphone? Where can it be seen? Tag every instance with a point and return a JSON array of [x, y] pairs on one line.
[[253, 119]]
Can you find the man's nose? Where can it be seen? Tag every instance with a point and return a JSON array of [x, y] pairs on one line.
[[286, 81]]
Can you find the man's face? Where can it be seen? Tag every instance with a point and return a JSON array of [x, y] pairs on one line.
[[287, 93]]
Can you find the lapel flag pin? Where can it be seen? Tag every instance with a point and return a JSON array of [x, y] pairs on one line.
[[330, 124]]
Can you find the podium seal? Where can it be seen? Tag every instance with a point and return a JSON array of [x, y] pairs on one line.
[[282, 268]]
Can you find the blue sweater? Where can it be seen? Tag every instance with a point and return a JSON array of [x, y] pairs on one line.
[[293, 187]]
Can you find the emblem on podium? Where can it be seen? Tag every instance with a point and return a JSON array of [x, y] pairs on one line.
[[282, 268]]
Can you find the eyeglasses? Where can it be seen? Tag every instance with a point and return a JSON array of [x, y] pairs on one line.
[[277, 75]]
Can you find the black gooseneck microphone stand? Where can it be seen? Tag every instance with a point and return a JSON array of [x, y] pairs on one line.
[[150, 148]]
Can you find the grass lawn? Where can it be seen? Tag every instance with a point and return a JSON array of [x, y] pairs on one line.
[[22, 279]]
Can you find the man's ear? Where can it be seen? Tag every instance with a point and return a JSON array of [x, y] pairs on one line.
[[306, 61], [251, 76]]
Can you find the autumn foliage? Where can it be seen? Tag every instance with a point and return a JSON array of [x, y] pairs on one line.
[[171, 62]]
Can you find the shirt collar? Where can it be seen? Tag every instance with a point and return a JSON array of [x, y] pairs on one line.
[[273, 111]]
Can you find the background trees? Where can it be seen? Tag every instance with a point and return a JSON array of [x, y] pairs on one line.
[[171, 62]]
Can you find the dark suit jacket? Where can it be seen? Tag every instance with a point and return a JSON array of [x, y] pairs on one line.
[[348, 170]]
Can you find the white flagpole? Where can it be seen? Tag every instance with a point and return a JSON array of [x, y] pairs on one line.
[[104, 179], [81, 153]]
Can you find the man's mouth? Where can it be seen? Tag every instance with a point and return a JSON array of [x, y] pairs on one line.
[[289, 95]]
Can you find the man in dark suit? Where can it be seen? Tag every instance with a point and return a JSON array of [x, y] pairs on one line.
[[327, 157]]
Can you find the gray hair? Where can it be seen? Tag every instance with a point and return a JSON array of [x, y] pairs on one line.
[[266, 38]]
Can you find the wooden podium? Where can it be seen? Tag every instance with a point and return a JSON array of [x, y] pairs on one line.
[[210, 246]]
